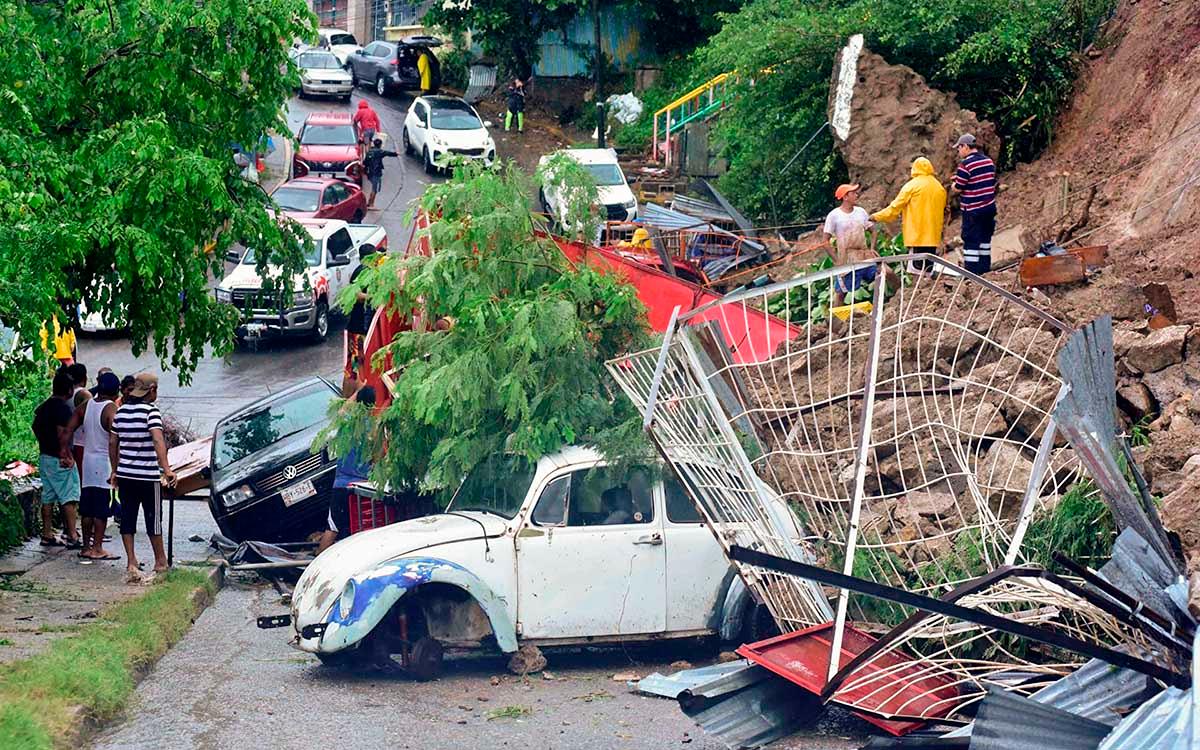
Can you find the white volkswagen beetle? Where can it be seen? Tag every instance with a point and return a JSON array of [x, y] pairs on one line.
[[565, 552]]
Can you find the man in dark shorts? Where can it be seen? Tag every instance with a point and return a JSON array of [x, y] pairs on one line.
[[93, 419], [350, 469], [373, 165], [357, 325], [138, 452], [56, 465]]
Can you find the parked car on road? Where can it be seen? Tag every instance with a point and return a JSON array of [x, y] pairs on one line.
[[438, 127], [332, 255], [267, 484], [322, 73], [565, 551], [329, 147], [397, 66], [338, 41], [616, 199], [321, 198]]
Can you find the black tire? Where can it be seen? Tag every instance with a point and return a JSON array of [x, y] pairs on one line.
[[425, 659], [408, 149], [758, 624], [381, 86], [345, 98], [354, 82], [321, 323], [430, 167], [358, 216], [300, 94]]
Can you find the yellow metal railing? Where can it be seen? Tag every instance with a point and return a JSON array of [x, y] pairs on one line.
[[698, 103]]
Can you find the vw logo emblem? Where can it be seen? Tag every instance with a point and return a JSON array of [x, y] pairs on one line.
[[289, 472]]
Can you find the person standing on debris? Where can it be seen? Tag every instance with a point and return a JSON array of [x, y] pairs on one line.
[[357, 324], [367, 120], [846, 232], [56, 466], [975, 184], [922, 202], [373, 165], [138, 453], [515, 93], [94, 419], [351, 468]]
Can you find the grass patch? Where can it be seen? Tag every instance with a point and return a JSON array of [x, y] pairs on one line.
[[95, 667], [509, 712], [1080, 526]]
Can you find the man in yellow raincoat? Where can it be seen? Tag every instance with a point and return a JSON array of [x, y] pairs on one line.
[[922, 201], [62, 344]]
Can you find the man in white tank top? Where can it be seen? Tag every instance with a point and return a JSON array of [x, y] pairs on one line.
[[93, 419]]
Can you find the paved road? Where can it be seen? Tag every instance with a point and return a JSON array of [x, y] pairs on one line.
[[220, 386], [228, 684]]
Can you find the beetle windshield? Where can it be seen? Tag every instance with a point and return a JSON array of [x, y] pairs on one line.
[[498, 485]]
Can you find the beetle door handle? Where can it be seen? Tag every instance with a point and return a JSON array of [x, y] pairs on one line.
[[653, 539]]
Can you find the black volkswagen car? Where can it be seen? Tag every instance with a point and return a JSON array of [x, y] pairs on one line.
[[267, 483]]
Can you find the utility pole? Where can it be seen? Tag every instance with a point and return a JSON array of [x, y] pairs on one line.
[[599, 74]]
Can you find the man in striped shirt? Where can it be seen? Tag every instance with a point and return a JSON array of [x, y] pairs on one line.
[[138, 452], [975, 183]]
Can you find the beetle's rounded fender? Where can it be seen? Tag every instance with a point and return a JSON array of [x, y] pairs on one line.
[[367, 597]]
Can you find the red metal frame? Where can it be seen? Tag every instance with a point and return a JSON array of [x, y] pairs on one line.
[[802, 657]]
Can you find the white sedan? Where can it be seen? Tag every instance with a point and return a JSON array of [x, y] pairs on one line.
[[440, 127], [565, 551], [322, 74]]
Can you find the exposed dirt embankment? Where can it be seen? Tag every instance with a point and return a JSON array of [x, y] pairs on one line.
[[1133, 131]]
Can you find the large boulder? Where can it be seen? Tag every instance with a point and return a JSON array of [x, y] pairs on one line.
[[884, 115], [1156, 350], [1179, 515]]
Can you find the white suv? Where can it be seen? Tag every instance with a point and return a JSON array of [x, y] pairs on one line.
[[617, 200], [438, 127]]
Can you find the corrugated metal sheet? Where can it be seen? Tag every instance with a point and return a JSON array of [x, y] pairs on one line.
[[701, 209], [1007, 721], [671, 686], [1165, 722], [1097, 691], [1138, 570], [749, 707], [620, 37], [482, 82]]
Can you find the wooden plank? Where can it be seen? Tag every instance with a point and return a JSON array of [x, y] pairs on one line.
[[1053, 269], [189, 462]]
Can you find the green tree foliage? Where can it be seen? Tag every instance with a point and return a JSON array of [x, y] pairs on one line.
[[115, 160], [510, 356], [1012, 61]]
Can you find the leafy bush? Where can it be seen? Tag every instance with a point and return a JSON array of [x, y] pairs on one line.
[[456, 62], [1013, 62], [26, 384], [518, 363]]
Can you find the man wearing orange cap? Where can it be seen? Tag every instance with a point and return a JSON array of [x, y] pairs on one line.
[[846, 231]]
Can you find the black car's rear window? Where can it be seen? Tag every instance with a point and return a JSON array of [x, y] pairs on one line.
[[251, 432]]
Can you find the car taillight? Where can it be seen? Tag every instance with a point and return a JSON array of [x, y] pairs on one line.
[[395, 62], [354, 169], [299, 168]]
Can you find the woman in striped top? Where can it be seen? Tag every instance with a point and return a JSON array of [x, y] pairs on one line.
[[139, 454]]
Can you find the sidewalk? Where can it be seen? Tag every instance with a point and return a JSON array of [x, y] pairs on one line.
[[48, 591]]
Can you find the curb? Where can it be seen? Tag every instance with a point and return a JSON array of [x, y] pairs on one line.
[[201, 597]]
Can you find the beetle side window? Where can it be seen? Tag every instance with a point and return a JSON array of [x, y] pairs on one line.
[[551, 508], [680, 508], [602, 497]]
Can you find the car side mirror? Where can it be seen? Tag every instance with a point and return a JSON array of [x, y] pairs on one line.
[[339, 260], [359, 52], [206, 473], [487, 123]]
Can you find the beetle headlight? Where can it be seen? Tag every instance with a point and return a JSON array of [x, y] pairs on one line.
[[345, 602], [239, 495]]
